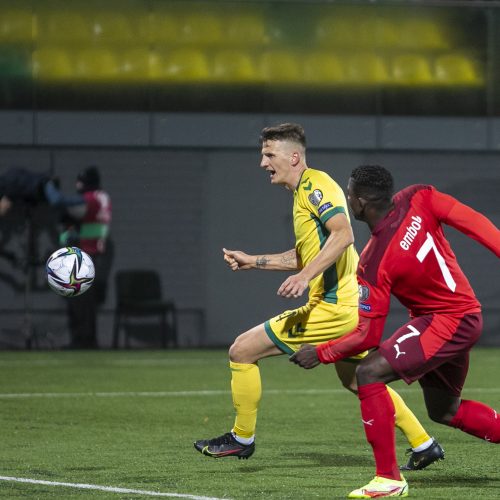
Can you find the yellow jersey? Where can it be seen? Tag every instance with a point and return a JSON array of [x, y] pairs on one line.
[[317, 198]]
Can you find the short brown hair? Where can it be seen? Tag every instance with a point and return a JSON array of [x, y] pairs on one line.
[[285, 132]]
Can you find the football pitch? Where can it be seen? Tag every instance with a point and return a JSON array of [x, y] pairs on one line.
[[121, 425]]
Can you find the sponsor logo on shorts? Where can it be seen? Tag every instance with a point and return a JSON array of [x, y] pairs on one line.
[[296, 331], [365, 307], [324, 207], [412, 333], [315, 197], [287, 314], [398, 351]]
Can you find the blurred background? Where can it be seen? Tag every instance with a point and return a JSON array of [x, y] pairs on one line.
[[168, 99]]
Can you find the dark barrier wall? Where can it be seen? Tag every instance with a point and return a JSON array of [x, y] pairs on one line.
[[174, 210]]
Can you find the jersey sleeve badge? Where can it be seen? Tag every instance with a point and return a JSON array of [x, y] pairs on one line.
[[315, 197]]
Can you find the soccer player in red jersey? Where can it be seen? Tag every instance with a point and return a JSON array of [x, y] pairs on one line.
[[409, 256]]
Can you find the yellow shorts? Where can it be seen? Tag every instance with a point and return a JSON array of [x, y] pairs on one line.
[[313, 323]]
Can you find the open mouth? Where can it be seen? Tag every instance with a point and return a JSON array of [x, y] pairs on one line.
[[271, 173]]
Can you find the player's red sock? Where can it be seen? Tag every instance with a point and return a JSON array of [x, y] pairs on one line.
[[477, 419], [377, 412]]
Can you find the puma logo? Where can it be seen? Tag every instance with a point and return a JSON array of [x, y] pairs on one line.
[[413, 333], [398, 352]]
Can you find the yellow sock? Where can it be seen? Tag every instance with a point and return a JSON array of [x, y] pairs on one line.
[[247, 390], [407, 422]]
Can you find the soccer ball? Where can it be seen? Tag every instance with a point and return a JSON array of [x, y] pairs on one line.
[[70, 271]]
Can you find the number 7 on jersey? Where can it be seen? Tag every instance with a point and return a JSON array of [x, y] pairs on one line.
[[424, 250]]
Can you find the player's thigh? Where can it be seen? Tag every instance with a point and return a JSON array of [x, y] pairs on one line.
[[441, 404], [448, 377], [252, 345]]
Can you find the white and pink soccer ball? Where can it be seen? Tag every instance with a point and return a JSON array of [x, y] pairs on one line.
[[70, 271]]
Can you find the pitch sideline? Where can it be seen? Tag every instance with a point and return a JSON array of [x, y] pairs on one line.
[[110, 489]]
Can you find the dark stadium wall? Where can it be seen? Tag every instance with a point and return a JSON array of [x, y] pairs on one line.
[[255, 216]]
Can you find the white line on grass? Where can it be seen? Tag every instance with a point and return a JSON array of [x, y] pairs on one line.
[[112, 362], [157, 394], [169, 394], [111, 489]]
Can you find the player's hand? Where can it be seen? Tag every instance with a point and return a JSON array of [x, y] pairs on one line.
[[293, 287], [237, 260], [306, 357]]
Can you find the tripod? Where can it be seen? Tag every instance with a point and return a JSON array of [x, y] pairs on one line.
[[31, 264], [29, 267]]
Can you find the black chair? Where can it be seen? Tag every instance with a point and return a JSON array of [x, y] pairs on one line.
[[139, 295]]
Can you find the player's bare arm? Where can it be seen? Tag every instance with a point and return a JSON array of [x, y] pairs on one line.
[[339, 239], [240, 261]]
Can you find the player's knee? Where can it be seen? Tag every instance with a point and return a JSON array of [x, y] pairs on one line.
[[366, 373], [375, 368], [235, 352], [238, 353], [442, 415], [350, 385]]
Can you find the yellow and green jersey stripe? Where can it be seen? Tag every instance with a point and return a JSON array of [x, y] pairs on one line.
[[317, 198]]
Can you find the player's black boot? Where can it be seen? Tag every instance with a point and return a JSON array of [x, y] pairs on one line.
[[421, 459], [224, 446]]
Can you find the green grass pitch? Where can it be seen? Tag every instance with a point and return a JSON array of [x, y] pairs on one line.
[[128, 419]]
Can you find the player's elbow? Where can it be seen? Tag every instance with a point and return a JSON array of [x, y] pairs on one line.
[[350, 240]]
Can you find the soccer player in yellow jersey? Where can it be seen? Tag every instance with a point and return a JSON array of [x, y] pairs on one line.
[[324, 260]]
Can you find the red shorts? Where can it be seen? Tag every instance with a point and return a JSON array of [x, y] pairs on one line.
[[434, 349]]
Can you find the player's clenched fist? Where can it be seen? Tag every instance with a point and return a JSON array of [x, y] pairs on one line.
[[237, 260], [306, 357]]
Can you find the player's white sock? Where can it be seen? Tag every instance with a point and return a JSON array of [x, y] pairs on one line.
[[423, 446], [242, 440]]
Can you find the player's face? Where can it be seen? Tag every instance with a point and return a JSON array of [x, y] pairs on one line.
[[276, 160], [355, 204]]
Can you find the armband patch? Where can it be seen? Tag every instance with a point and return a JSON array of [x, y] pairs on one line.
[[324, 207]]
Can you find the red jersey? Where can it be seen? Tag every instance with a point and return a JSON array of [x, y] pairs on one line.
[[409, 256]]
